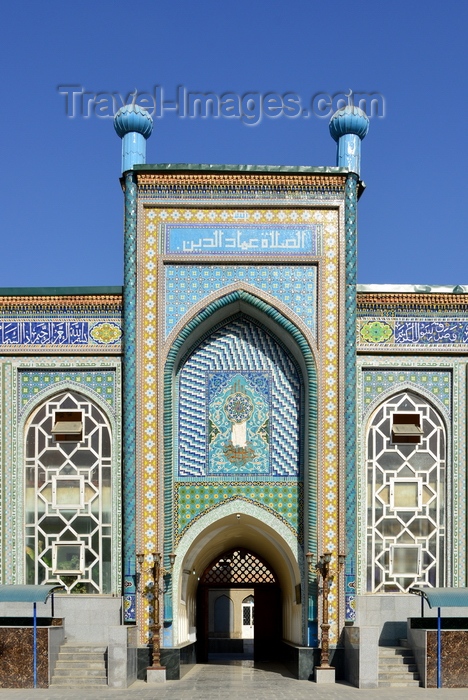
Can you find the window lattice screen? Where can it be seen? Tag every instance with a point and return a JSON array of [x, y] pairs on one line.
[[238, 566], [406, 499]]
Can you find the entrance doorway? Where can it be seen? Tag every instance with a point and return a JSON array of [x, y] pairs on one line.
[[248, 617], [238, 609]]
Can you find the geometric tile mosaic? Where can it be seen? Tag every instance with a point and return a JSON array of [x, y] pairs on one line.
[[153, 326], [438, 383], [186, 285], [283, 499], [101, 382], [239, 354]]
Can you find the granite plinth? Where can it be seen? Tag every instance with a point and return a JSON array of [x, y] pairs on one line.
[[16, 657], [156, 675], [324, 675], [454, 659], [176, 660]]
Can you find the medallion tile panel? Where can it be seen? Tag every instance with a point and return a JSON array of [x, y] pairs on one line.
[[240, 363]]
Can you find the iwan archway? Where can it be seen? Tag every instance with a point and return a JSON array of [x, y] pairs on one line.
[[239, 526], [240, 429]]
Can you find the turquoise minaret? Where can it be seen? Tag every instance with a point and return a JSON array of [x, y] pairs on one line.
[[134, 125], [348, 126]]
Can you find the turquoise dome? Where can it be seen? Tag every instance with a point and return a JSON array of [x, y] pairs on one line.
[[349, 120], [133, 118]]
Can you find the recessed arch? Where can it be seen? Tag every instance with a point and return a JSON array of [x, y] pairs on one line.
[[234, 524], [406, 523], [86, 472], [225, 293], [302, 349]]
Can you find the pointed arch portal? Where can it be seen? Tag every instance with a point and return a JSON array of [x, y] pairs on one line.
[[238, 526], [268, 360]]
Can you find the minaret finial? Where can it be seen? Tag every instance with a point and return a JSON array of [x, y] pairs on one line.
[[348, 126], [134, 125]]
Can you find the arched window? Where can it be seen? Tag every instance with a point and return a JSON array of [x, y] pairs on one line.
[[406, 475], [68, 464], [248, 611]]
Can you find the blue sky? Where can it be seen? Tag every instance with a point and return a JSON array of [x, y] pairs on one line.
[[61, 202]]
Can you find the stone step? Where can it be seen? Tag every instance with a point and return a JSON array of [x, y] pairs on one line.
[[90, 672], [385, 676], [87, 658], [398, 684], [396, 660], [79, 663], [82, 682], [404, 643], [83, 648], [398, 667], [394, 651]]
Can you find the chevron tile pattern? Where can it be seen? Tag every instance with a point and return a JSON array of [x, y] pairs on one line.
[[243, 348]]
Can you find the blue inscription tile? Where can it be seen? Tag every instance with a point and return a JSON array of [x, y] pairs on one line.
[[277, 239], [44, 333], [11, 333], [430, 332]]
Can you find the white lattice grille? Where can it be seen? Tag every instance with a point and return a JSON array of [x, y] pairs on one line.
[[406, 497], [238, 566], [68, 498]]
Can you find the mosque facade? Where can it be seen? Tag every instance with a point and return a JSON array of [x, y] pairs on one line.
[[238, 409]]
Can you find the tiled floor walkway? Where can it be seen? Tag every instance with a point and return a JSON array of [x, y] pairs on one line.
[[237, 680]]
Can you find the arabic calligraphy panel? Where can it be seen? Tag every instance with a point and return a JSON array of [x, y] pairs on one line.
[[250, 239], [438, 332]]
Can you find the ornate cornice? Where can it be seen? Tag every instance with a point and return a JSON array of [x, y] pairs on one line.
[[415, 302], [107, 302], [234, 181]]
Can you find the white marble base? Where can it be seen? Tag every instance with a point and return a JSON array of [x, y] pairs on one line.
[[324, 675], [156, 675]]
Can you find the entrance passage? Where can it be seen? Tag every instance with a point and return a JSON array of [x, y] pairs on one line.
[[238, 609]]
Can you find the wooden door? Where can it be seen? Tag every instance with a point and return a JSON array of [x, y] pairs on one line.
[[268, 622]]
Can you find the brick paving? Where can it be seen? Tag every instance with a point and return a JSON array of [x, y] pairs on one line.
[[236, 680]]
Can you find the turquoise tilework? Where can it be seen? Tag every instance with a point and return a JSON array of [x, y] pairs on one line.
[[101, 382], [246, 351], [186, 285], [284, 500], [438, 383]]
